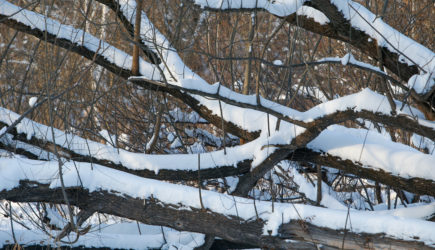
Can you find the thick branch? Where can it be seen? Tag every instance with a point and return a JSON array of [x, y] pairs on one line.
[[163, 174], [400, 121], [154, 212], [413, 185]]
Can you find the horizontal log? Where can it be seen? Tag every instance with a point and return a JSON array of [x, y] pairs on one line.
[[296, 234]]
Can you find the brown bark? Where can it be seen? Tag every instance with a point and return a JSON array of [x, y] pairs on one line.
[[294, 152], [401, 121], [413, 185], [136, 39], [154, 212], [149, 53], [340, 29], [126, 73]]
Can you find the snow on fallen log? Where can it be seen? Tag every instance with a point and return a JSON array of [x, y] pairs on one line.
[[101, 179]]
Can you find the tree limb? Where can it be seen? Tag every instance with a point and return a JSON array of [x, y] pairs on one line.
[[154, 212]]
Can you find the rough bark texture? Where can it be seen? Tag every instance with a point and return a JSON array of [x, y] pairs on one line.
[[232, 229], [397, 121], [154, 212]]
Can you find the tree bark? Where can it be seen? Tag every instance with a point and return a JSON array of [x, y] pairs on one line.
[[151, 211], [136, 38]]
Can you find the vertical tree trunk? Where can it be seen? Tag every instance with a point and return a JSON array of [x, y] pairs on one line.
[[249, 50], [319, 184], [135, 63], [248, 67]]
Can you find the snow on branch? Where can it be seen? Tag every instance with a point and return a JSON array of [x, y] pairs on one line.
[[279, 7], [32, 22], [410, 52], [403, 52], [109, 180], [33, 140], [253, 120], [32, 136], [244, 110], [372, 149], [172, 65], [123, 71], [386, 36], [137, 197], [359, 17]]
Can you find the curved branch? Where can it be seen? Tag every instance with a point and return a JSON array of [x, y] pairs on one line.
[[218, 171], [125, 72], [149, 53], [341, 114]]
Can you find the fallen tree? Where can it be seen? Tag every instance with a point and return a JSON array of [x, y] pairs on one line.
[[357, 135]]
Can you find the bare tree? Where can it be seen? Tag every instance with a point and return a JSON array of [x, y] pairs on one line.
[[340, 122]]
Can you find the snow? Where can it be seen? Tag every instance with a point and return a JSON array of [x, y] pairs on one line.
[[122, 235], [349, 59], [310, 191], [310, 12], [360, 18], [130, 160], [375, 151], [77, 36], [7, 139], [173, 67], [410, 51], [178, 115], [253, 120], [423, 143], [310, 91], [277, 7], [414, 211], [101, 178], [32, 101], [365, 147], [422, 83], [247, 119], [110, 139], [277, 62]]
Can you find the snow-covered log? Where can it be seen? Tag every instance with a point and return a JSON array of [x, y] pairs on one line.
[[33, 140], [374, 145], [231, 218]]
